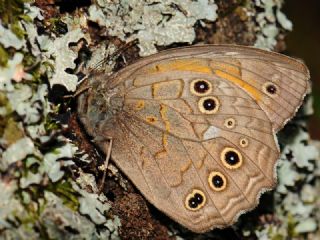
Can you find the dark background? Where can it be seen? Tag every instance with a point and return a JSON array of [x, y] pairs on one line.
[[304, 42]]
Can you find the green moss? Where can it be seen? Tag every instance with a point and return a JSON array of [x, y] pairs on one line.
[[4, 57], [26, 18], [278, 237], [4, 119], [4, 101], [29, 60], [33, 213], [11, 12], [34, 66], [17, 30], [12, 132], [50, 124], [291, 226], [64, 190]]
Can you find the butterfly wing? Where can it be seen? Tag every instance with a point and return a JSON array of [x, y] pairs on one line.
[[196, 133], [185, 146], [276, 82]]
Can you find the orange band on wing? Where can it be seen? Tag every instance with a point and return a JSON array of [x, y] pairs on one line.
[[183, 65], [202, 66], [251, 90], [234, 68], [163, 113]]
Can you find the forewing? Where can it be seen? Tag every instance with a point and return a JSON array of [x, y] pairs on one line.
[[250, 69]]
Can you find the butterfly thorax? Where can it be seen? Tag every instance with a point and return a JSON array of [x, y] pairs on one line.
[[99, 106]]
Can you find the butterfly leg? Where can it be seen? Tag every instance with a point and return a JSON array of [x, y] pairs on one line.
[[104, 167]]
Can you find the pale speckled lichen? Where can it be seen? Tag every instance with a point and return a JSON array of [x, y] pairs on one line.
[[154, 23], [299, 207], [64, 58], [297, 194], [24, 211], [268, 16], [9, 39], [16, 152]]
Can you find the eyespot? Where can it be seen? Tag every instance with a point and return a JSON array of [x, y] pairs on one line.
[[231, 158], [244, 142], [217, 181], [200, 87], [195, 200], [209, 105], [270, 89], [230, 123]]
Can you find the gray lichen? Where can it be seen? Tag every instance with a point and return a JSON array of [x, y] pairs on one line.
[[267, 20], [17, 152], [64, 58], [296, 206], [154, 23], [9, 39], [25, 108]]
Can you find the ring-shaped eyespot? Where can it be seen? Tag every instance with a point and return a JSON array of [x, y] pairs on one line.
[[271, 89], [244, 142], [231, 158], [217, 181], [209, 105], [200, 87], [230, 123], [195, 200]]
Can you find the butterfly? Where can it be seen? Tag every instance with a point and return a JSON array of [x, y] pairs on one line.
[[194, 128]]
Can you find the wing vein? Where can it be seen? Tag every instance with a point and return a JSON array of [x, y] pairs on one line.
[[176, 195], [225, 172]]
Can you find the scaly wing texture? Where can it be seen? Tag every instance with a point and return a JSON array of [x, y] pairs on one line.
[[196, 129], [175, 147], [248, 68]]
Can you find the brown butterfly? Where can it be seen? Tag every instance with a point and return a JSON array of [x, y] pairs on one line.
[[194, 128]]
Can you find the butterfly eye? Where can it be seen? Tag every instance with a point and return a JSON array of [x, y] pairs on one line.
[[230, 123], [217, 181], [200, 87], [209, 105], [231, 158], [195, 200], [270, 89], [244, 142]]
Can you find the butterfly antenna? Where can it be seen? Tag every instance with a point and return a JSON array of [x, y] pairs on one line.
[[114, 55]]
